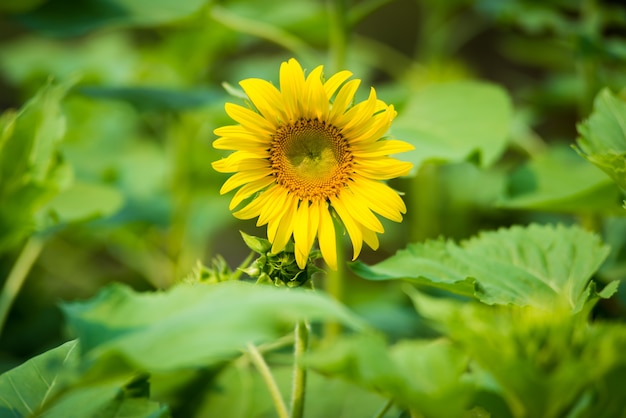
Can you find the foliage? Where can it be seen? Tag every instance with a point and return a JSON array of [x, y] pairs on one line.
[[129, 289]]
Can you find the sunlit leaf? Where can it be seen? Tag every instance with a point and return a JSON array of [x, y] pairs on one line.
[[559, 180], [542, 266], [602, 138], [453, 121], [193, 325]]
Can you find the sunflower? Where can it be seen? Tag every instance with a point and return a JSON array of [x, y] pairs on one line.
[[305, 154]]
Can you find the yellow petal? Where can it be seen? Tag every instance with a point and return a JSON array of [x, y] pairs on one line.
[[249, 189], [351, 225], [361, 212], [291, 87], [316, 103], [343, 101], [241, 160], [301, 233], [241, 178], [335, 81], [266, 98], [385, 202], [370, 238], [382, 168], [275, 205], [273, 223], [326, 235], [380, 148], [385, 195], [249, 119], [285, 228]]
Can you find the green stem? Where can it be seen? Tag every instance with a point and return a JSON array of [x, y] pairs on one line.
[[386, 407], [265, 31], [335, 284], [18, 274], [270, 382], [299, 371], [425, 203], [338, 33]]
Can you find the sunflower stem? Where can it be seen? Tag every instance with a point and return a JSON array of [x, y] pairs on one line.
[[335, 284], [298, 389], [17, 276], [386, 407], [270, 382], [425, 203], [338, 33]]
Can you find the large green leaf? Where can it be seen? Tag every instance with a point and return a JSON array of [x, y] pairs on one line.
[[31, 169], [454, 121], [543, 363], [602, 138], [68, 18], [542, 266], [558, 180], [192, 325], [48, 386], [24, 389], [425, 376]]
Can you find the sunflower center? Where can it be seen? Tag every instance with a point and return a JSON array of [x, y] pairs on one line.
[[311, 159]]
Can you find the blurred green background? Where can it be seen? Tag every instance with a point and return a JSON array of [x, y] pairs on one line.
[[136, 88]]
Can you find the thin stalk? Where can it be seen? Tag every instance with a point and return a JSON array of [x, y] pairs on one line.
[[386, 407], [338, 33], [265, 31], [18, 274], [335, 284], [298, 389], [270, 382], [424, 203]]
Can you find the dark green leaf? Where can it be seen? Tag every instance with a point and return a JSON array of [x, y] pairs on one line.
[[155, 98], [70, 18]]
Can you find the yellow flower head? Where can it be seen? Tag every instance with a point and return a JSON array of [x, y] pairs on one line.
[[307, 153]]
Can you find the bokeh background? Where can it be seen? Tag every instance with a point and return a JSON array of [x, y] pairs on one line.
[[149, 79]]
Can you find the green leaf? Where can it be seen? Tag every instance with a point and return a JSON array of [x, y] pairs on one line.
[[543, 363], [541, 266], [154, 98], [557, 180], [193, 325], [31, 169], [83, 201], [24, 389], [602, 138], [243, 383], [50, 385], [453, 121], [425, 376], [70, 18]]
